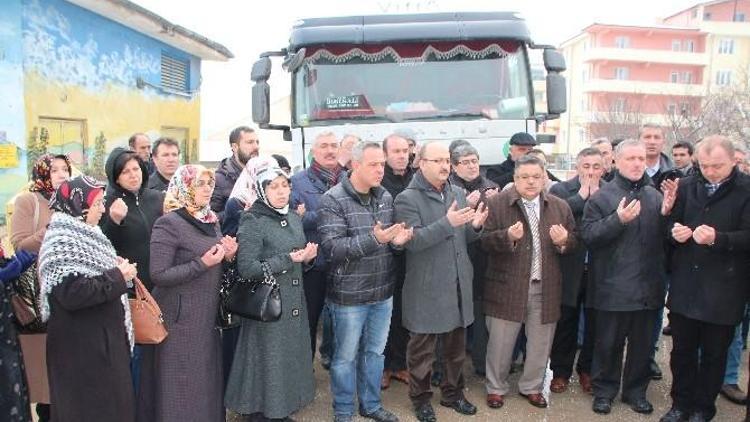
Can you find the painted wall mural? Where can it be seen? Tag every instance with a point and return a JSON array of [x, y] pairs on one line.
[[82, 84]]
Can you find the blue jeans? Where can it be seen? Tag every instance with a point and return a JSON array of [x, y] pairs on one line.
[[327, 341], [734, 356], [359, 336]]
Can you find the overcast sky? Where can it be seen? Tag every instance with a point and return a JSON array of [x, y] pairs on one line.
[[248, 29]]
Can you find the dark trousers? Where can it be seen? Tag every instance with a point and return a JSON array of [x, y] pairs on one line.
[[420, 355], [613, 328], [314, 283], [696, 381], [565, 344], [398, 336], [229, 339], [479, 338]]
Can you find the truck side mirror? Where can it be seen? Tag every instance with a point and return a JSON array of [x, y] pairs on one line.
[[553, 61], [261, 70], [556, 94], [261, 103]]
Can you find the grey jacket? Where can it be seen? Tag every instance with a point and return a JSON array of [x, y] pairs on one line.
[[361, 270], [627, 270], [437, 295]]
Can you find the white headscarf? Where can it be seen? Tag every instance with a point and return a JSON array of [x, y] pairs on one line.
[[244, 188]]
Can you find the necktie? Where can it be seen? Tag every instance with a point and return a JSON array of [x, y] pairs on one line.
[[712, 187], [536, 257]]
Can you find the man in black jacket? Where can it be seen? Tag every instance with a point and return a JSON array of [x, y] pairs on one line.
[[166, 156], [623, 229], [398, 174], [244, 143], [575, 290], [710, 230], [520, 144]]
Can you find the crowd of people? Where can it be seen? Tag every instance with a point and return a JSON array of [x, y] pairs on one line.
[[409, 255]]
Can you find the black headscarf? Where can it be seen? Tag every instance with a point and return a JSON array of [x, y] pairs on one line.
[[75, 196]]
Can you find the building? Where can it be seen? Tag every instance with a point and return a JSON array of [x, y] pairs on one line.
[[621, 76], [80, 76]]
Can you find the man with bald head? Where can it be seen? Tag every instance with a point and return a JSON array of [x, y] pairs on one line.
[[307, 188], [437, 297]]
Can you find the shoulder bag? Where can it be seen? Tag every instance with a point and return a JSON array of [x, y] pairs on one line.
[[148, 322], [259, 300]]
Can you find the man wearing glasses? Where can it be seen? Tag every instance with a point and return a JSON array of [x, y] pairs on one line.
[[437, 296]]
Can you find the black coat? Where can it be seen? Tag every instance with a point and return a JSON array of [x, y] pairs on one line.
[[626, 268], [157, 182], [394, 183], [572, 264], [226, 176], [710, 283], [131, 238], [88, 354]]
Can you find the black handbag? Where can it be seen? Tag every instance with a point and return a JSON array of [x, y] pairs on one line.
[[259, 300]]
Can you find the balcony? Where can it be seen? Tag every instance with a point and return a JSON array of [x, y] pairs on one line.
[[605, 116], [645, 56], [642, 87]]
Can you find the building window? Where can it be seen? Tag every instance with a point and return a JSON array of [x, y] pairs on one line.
[[674, 77], [687, 77], [622, 73], [672, 109], [707, 16], [723, 77], [584, 75], [618, 106], [676, 45], [726, 46], [584, 104], [695, 13], [174, 73], [739, 17], [622, 42], [685, 109], [689, 46]]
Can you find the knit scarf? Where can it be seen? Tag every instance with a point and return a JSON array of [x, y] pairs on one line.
[[72, 247], [329, 177]]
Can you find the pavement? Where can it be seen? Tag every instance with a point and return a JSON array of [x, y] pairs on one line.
[[573, 405]]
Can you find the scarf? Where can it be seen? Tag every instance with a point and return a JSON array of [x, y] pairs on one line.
[[72, 247], [74, 197], [263, 177], [41, 180], [329, 177], [181, 193], [244, 188]]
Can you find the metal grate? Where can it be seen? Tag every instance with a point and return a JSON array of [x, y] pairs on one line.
[[174, 74]]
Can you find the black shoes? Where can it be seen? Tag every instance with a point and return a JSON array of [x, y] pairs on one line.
[[425, 413], [380, 415], [461, 406], [698, 417], [655, 371], [641, 405], [733, 393], [602, 405], [674, 415]]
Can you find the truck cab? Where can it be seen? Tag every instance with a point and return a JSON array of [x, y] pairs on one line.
[[444, 76]]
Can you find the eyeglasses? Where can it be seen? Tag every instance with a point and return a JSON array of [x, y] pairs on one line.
[[438, 160], [203, 183], [472, 162]]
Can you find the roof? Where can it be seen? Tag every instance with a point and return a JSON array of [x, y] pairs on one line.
[[658, 27], [381, 29], [149, 23], [703, 3]]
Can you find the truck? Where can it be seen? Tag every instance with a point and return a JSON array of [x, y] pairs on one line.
[[441, 76]]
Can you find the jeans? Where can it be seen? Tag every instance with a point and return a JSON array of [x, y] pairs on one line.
[[359, 336], [326, 343], [734, 358]]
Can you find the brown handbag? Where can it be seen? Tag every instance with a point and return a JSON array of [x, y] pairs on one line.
[[148, 323]]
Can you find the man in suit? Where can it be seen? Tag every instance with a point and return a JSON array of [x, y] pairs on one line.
[[526, 232], [576, 192]]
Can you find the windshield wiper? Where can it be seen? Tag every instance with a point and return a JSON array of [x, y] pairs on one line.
[[451, 115]]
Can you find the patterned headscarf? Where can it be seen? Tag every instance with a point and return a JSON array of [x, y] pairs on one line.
[[75, 196], [264, 175], [181, 192], [244, 188], [41, 180]]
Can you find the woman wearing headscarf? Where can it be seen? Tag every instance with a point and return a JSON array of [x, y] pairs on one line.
[[243, 194], [271, 376], [84, 301], [181, 377], [31, 214]]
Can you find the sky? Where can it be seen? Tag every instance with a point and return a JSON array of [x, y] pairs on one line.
[[248, 28]]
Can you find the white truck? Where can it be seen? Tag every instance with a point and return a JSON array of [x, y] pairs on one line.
[[444, 76]]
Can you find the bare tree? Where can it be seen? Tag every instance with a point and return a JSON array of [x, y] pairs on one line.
[[622, 120]]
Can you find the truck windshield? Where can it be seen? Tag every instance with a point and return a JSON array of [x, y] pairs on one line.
[[485, 80]]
